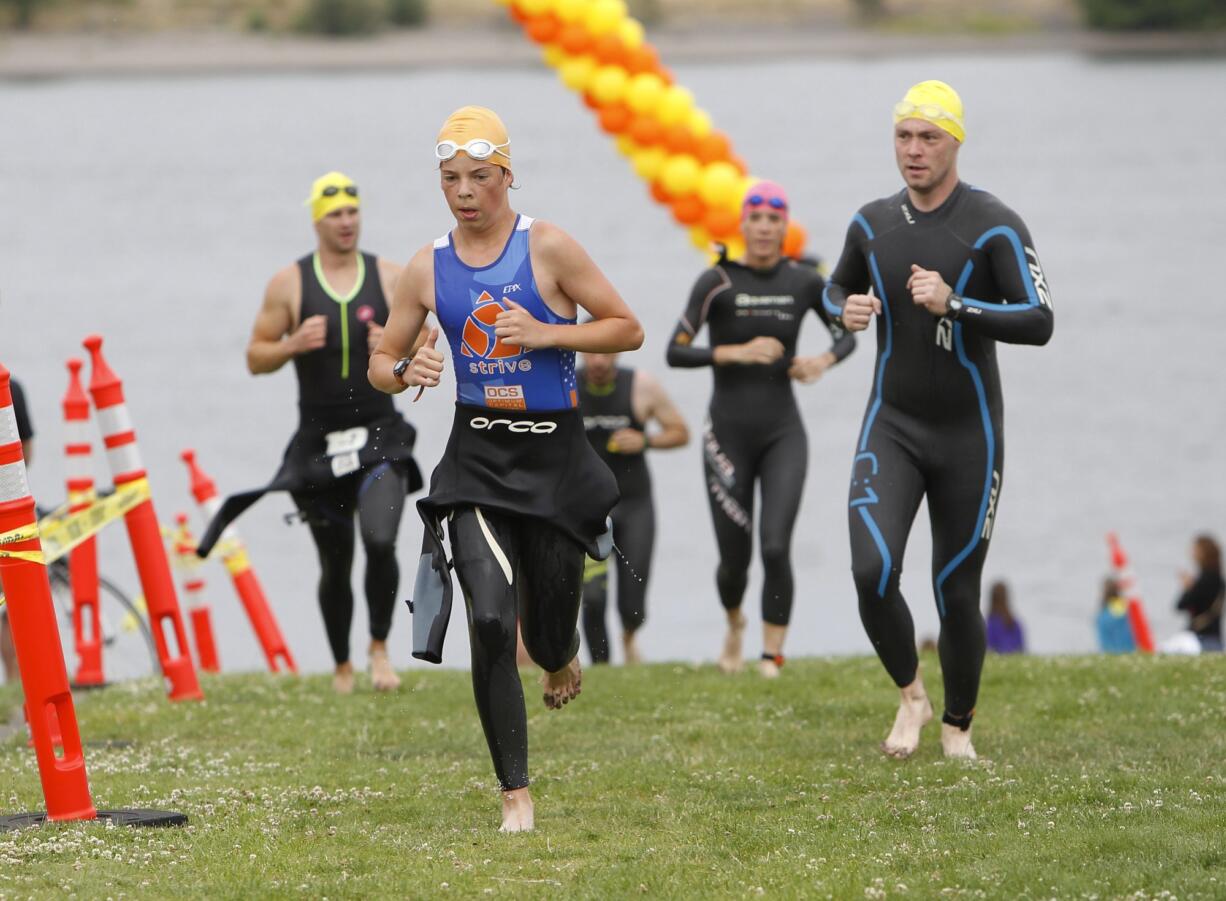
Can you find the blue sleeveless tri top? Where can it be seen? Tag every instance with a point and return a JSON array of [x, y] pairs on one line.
[[490, 373]]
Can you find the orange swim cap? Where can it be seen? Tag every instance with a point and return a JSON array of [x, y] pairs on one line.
[[476, 123]]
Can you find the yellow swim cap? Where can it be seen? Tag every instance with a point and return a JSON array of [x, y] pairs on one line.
[[480, 126], [935, 102], [331, 192]]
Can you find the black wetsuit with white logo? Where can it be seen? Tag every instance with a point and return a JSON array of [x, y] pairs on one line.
[[607, 409], [753, 431], [934, 421]]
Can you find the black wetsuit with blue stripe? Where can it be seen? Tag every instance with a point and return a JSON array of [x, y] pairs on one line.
[[934, 424]]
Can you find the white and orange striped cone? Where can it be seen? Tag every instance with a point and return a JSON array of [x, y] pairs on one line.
[[144, 533], [1124, 578], [184, 545], [83, 559], [36, 636], [234, 556]]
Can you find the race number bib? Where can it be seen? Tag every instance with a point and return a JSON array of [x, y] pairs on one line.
[[343, 448]]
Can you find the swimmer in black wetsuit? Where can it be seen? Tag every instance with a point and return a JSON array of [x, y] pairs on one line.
[[350, 458], [520, 491], [952, 271], [753, 431], [617, 406]]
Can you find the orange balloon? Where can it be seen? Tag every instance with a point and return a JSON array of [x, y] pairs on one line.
[[794, 241], [740, 163], [544, 28], [646, 131], [659, 195], [591, 102], [689, 210], [714, 147], [615, 119], [519, 15], [678, 139], [722, 223], [609, 50], [575, 39], [642, 59]]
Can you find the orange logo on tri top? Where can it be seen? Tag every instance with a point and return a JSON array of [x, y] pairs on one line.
[[479, 339]]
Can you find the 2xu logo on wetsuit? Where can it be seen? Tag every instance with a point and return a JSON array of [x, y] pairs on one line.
[[945, 328]]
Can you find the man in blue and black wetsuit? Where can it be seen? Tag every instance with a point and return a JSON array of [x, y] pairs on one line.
[[952, 271]]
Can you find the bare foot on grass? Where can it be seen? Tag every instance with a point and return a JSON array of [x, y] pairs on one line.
[[956, 743], [563, 686], [517, 813], [382, 676], [631, 648], [731, 659], [914, 712], [342, 679]]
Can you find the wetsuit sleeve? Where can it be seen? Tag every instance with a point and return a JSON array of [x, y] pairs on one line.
[[844, 341], [681, 350], [850, 276], [1025, 315]]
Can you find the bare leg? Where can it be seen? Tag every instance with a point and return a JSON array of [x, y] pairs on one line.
[[731, 659], [772, 643], [914, 712], [342, 678], [631, 649], [517, 815], [382, 676]]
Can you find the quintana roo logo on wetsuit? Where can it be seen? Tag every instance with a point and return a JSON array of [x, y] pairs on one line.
[[479, 340]]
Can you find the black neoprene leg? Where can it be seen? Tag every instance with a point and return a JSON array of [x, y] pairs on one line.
[[490, 601], [330, 518], [886, 489], [595, 600], [380, 503], [729, 479], [782, 477], [549, 586], [958, 492], [634, 530]]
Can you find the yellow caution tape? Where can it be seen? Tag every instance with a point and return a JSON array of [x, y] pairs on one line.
[[235, 559], [60, 532]]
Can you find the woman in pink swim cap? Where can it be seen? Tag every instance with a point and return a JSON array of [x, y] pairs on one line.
[[753, 435]]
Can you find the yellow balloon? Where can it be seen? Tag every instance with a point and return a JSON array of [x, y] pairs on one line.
[[720, 185], [675, 105], [736, 247], [699, 123], [577, 71], [626, 146], [603, 17], [503, 2], [533, 7], [609, 84], [680, 174], [699, 237], [648, 163], [569, 10], [554, 56], [631, 33], [644, 92]]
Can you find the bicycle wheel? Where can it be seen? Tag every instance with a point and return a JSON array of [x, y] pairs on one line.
[[128, 651]]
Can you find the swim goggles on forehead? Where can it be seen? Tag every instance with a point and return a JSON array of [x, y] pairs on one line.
[[477, 149], [905, 109], [775, 203], [333, 190]]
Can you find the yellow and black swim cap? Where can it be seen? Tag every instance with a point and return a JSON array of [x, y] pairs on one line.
[[332, 192]]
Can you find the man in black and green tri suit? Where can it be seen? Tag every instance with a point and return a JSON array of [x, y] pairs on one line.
[[350, 458]]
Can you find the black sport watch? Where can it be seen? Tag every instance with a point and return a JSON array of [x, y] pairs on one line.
[[399, 367], [953, 306]]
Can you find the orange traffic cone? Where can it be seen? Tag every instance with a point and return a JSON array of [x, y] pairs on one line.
[[1127, 582], [193, 589]]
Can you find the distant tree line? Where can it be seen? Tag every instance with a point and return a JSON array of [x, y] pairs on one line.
[[1158, 15]]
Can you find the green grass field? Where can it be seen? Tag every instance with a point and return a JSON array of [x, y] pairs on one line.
[[1098, 778]]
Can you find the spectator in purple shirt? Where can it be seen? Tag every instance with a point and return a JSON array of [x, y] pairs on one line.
[[1004, 629]]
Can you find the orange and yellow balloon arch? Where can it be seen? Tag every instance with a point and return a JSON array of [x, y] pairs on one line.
[[600, 51]]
